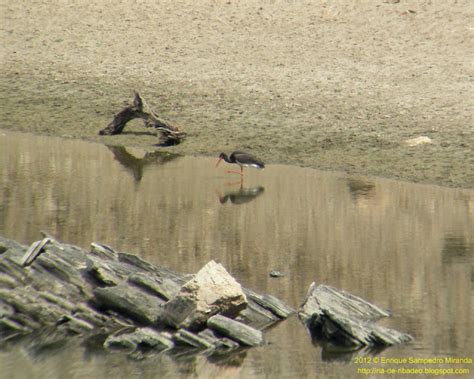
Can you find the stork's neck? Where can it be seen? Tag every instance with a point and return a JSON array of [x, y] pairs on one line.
[[226, 158]]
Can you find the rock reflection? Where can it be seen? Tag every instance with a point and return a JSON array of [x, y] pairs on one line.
[[50, 346], [137, 165], [242, 195], [234, 358], [333, 353]]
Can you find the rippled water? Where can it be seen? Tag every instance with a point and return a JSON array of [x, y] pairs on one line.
[[405, 247]]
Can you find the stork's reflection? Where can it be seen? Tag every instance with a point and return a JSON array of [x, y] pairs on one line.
[[242, 195]]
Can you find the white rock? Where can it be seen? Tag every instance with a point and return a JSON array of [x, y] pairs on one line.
[[417, 141], [213, 290]]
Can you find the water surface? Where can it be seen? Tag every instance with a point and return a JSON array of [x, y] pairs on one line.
[[405, 247]]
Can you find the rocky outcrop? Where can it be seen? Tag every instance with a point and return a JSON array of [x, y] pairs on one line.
[[125, 302], [345, 319]]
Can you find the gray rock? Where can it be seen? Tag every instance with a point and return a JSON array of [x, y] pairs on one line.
[[345, 319], [235, 330], [271, 303], [276, 274], [75, 324], [163, 287], [189, 338], [130, 301], [103, 251], [34, 251], [6, 310], [103, 273]]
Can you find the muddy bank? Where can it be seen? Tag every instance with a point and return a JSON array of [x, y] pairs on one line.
[[334, 86]]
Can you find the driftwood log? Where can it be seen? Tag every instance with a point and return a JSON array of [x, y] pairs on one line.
[[345, 320], [121, 301], [170, 134]]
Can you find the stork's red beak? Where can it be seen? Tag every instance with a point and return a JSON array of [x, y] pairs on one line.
[[218, 161]]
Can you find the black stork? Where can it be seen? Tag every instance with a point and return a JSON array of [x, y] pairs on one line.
[[242, 159]]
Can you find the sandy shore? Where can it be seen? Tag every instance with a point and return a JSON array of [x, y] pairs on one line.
[[333, 85]]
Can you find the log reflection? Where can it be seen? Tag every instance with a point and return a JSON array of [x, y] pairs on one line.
[[359, 188], [135, 165]]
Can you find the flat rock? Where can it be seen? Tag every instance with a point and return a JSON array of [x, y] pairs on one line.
[[163, 287], [271, 303], [186, 337], [235, 330], [130, 302]]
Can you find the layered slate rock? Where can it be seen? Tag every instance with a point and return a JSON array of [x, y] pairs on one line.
[[346, 320], [52, 291]]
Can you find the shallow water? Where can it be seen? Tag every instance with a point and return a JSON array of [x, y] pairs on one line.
[[405, 247]]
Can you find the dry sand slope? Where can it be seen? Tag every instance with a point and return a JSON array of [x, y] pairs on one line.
[[327, 84]]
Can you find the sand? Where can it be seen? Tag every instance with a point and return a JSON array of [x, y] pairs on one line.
[[334, 85]]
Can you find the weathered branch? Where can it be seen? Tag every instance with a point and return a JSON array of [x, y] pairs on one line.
[[170, 134]]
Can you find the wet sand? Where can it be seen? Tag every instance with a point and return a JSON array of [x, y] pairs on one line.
[[333, 85]]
